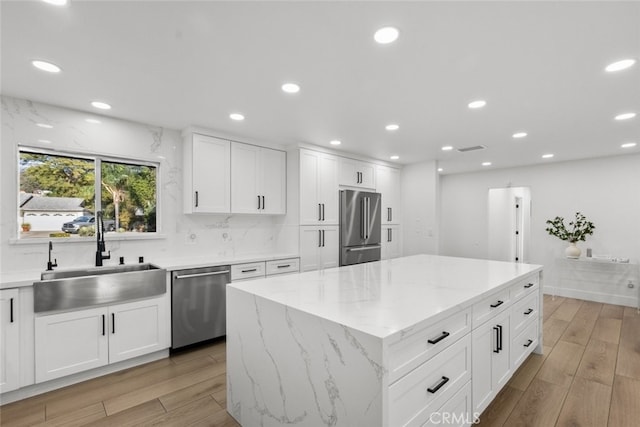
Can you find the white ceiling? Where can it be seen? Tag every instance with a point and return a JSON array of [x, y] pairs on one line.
[[539, 66]]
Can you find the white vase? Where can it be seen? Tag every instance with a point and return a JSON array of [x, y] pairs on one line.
[[572, 251]]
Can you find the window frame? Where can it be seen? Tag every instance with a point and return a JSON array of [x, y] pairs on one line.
[[97, 159]]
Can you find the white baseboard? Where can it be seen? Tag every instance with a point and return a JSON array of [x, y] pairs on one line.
[[592, 296]]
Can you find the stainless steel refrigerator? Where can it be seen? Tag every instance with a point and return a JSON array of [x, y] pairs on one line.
[[359, 227]]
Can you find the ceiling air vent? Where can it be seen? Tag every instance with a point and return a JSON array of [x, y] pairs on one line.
[[474, 148]]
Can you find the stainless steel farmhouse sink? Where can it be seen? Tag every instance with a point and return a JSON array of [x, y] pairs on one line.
[[85, 287]]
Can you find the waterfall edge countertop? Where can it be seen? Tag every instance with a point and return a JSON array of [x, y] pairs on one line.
[[17, 279], [385, 297]]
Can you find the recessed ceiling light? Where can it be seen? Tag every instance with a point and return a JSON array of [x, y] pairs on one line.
[[547, 156], [447, 148], [94, 121], [56, 2], [620, 65], [519, 134], [628, 145], [392, 127], [335, 142], [625, 116], [394, 157], [44, 125], [477, 104], [486, 163], [236, 116], [440, 169], [101, 105], [291, 88], [386, 35], [45, 141], [46, 66]]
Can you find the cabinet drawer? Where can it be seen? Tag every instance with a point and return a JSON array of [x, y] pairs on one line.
[[525, 287], [247, 271], [524, 343], [421, 345], [281, 266], [455, 412], [415, 396], [523, 311], [490, 306]]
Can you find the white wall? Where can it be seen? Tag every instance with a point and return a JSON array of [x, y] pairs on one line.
[[606, 190], [420, 200], [215, 235]]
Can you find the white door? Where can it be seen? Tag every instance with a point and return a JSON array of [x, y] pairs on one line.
[[9, 340], [245, 173], [390, 242], [274, 181], [484, 342], [137, 328], [329, 249], [71, 342], [211, 192], [501, 362], [367, 175], [310, 244], [328, 189], [310, 207], [388, 184]]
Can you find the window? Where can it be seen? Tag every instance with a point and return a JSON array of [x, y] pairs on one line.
[[61, 193]]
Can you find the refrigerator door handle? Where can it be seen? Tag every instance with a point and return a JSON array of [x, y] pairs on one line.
[[363, 248], [363, 215], [368, 215]]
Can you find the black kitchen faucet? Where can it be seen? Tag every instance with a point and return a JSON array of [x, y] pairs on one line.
[[100, 240]]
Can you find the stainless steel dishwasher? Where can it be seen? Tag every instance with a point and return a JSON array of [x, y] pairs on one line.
[[198, 304]]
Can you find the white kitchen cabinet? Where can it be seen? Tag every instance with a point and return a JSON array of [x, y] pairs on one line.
[[354, 173], [318, 188], [318, 247], [388, 184], [491, 362], [258, 179], [207, 174], [71, 342], [9, 340], [391, 247], [137, 328]]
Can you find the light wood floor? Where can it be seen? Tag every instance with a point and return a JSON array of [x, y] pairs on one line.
[[589, 375]]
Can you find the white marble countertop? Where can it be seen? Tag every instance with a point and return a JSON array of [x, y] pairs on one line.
[[17, 279], [385, 297]]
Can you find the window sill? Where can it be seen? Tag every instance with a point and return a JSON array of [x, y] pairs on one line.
[[109, 237]]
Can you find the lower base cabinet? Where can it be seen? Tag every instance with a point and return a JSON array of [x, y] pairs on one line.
[[9, 340], [71, 342], [318, 247]]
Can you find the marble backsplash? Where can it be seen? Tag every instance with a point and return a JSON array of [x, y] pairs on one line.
[[181, 235]]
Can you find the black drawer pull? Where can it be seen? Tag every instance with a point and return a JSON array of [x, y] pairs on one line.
[[103, 325], [439, 385], [11, 310], [250, 270], [284, 266], [529, 342], [527, 286], [440, 338], [499, 303], [529, 311], [113, 323]]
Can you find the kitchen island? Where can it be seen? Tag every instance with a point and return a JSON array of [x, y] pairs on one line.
[[387, 343]]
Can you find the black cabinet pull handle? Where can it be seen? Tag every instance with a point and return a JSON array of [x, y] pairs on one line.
[[499, 303], [500, 335], [319, 211], [497, 349], [323, 211], [529, 342], [439, 385], [319, 238], [262, 202], [440, 338], [529, 311], [113, 323], [258, 202], [528, 285], [323, 238], [284, 266], [103, 327], [196, 199], [251, 270], [11, 310]]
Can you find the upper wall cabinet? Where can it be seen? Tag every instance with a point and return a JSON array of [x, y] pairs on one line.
[[388, 184], [318, 188], [355, 173], [207, 174], [258, 179]]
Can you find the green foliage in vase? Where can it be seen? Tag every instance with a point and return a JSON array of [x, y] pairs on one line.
[[578, 229]]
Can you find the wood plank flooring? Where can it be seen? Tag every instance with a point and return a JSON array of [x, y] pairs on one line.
[[589, 375]]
